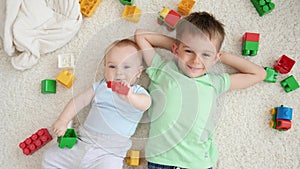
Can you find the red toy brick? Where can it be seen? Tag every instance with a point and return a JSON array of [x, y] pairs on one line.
[[284, 64], [118, 87], [35, 141], [252, 37]]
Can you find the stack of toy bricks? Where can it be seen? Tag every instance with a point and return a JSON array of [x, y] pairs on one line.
[[250, 44]]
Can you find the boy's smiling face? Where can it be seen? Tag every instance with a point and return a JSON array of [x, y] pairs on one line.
[[195, 54]]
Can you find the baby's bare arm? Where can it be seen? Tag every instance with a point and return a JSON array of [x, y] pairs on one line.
[[139, 101], [249, 73]]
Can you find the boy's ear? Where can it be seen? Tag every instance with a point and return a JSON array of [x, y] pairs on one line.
[[219, 54], [175, 49]]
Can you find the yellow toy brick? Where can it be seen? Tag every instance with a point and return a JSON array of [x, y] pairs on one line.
[[88, 7], [65, 78], [185, 6], [131, 13], [133, 158]]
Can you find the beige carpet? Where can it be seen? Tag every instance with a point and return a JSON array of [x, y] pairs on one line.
[[244, 137]]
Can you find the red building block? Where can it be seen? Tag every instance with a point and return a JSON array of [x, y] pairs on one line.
[[284, 64], [252, 37], [118, 87], [35, 141]]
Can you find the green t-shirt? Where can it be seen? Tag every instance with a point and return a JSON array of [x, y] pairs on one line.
[[181, 116]]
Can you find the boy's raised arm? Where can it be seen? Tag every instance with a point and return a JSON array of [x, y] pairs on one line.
[[249, 73], [148, 40]]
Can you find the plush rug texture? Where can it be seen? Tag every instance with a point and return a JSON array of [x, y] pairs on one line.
[[243, 135]]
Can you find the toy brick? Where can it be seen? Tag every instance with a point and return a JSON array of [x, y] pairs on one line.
[[66, 61], [35, 141], [284, 113], [283, 124], [263, 6], [131, 13], [250, 48], [289, 84], [118, 87], [126, 2], [271, 75], [48, 86], [68, 140], [88, 7], [282, 116], [249, 36], [284, 64], [185, 6], [133, 158], [66, 78]]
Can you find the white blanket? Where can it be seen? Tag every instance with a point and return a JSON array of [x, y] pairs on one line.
[[29, 28]]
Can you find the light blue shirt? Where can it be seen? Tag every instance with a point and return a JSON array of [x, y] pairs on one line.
[[109, 114]]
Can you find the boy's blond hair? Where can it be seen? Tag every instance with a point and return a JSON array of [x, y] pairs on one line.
[[202, 22]]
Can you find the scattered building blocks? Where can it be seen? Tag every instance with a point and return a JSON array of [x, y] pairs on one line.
[[133, 158], [68, 140], [126, 2], [66, 78], [289, 84], [263, 6], [35, 141], [271, 75], [48, 86], [88, 7], [66, 61], [284, 64], [185, 6], [169, 18], [250, 44], [118, 87], [131, 13], [282, 116]]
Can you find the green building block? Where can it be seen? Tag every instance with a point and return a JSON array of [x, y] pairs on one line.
[[289, 84], [263, 6], [126, 2], [68, 140], [250, 48], [48, 86], [271, 75]]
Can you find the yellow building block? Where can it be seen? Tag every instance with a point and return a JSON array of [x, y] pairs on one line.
[[88, 7], [131, 13], [185, 6], [65, 78], [133, 158]]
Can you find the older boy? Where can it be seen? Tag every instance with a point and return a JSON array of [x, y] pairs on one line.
[[184, 93]]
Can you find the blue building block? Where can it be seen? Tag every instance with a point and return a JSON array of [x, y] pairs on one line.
[[284, 113], [263, 6]]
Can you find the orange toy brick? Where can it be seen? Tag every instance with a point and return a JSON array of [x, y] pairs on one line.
[[185, 6], [35, 141], [133, 158], [88, 7], [118, 87], [66, 78], [131, 13]]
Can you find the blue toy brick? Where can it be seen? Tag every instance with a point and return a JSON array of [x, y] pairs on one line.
[[284, 113], [263, 6], [271, 75]]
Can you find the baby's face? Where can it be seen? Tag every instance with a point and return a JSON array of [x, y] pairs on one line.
[[195, 54], [123, 64]]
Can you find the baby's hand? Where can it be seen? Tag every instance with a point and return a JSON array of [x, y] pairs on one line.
[[119, 87], [59, 127]]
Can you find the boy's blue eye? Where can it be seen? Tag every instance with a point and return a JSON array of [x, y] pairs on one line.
[[126, 67], [188, 51], [112, 66], [206, 55]]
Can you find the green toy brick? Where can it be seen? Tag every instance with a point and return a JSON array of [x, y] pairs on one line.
[[48, 86], [68, 140], [250, 48], [263, 6], [271, 75], [126, 2], [289, 84]]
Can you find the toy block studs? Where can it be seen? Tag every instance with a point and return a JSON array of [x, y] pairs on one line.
[[284, 64], [48, 86], [65, 78], [35, 141], [68, 140], [263, 6], [118, 87], [271, 75], [133, 158], [185, 6], [289, 84], [281, 118], [126, 2], [250, 44], [66, 61], [88, 7], [131, 13]]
